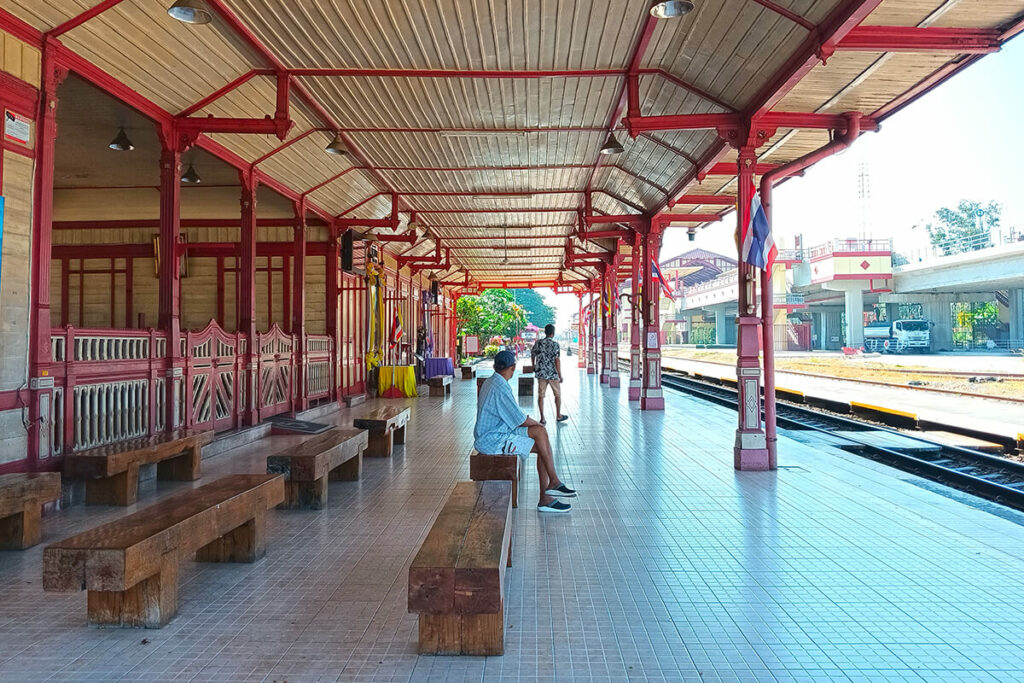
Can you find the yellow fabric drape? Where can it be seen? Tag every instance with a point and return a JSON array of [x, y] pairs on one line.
[[376, 311], [402, 377]]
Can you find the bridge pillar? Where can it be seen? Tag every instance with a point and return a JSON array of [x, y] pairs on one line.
[[854, 298], [1017, 316], [723, 325], [937, 310]]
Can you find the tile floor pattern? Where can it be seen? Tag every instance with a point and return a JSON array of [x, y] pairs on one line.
[[671, 566]]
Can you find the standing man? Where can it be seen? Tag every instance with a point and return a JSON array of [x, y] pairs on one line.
[[502, 428], [547, 366]]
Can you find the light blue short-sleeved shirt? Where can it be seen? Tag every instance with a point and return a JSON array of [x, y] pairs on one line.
[[498, 420]]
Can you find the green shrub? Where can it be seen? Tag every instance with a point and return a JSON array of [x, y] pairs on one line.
[[491, 350]]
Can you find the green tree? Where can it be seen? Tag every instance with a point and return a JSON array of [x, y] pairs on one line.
[[965, 228], [493, 312], [537, 312]]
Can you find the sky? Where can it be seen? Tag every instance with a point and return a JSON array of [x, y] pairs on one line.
[[960, 141]]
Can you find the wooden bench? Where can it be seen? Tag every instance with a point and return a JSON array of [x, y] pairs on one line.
[[456, 581], [526, 384], [483, 467], [335, 455], [130, 566], [386, 426], [527, 369], [441, 385], [111, 472], [21, 505], [480, 382], [467, 371]]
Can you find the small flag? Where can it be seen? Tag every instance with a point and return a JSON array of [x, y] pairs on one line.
[[758, 245], [396, 330], [660, 278]]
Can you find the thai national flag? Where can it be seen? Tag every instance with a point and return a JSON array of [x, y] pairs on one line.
[[658, 277], [758, 246], [396, 331]]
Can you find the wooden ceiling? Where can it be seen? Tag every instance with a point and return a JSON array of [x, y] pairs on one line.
[[446, 140]]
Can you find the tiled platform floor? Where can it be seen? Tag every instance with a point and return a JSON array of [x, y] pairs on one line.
[[671, 567]]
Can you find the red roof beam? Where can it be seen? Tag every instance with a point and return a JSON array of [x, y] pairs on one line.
[[913, 39], [792, 16], [729, 169], [76, 21], [285, 145], [708, 199], [724, 122], [224, 90]]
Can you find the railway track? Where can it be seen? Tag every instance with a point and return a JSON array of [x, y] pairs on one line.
[[987, 476]]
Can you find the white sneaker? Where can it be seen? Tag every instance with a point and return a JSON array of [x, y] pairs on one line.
[[554, 506]]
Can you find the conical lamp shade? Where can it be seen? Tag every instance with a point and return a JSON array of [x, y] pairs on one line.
[[612, 146], [190, 176], [121, 143], [671, 9], [191, 12], [337, 146]]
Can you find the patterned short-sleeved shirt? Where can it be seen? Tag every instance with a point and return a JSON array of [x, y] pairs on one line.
[[545, 352]]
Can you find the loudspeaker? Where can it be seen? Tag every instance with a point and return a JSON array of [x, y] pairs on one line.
[[434, 289], [346, 250]]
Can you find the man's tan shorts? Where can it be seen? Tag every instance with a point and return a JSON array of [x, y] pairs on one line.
[[543, 384]]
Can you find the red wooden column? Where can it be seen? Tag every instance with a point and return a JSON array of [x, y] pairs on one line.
[[602, 309], [611, 332], [332, 301], [169, 317], [581, 335], [40, 352], [592, 333], [749, 451], [247, 297], [299, 306], [651, 397], [635, 311]]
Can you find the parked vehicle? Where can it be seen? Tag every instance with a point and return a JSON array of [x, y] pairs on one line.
[[899, 336]]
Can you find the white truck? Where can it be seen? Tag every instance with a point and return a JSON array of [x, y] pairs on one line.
[[899, 336]]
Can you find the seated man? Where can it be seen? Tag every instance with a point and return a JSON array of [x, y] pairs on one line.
[[502, 428]]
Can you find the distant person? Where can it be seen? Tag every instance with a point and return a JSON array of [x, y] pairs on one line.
[[502, 428], [547, 367]]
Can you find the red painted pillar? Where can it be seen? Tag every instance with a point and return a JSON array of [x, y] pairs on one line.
[[40, 444], [592, 334], [600, 337], [247, 296], [635, 311], [332, 303], [611, 332], [749, 451], [581, 335], [651, 397], [169, 313], [299, 305]]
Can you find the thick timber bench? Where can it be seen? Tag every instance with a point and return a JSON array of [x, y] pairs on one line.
[[467, 371], [527, 369], [111, 472], [480, 382], [21, 505], [335, 455], [483, 467], [457, 580], [440, 385], [130, 566], [386, 426], [526, 384]]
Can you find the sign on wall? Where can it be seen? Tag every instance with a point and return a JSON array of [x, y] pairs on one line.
[[472, 343], [17, 128]]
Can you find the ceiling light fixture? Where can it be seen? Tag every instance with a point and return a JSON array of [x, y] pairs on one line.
[[190, 177], [191, 12], [337, 146], [673, 9], [121, 143], [611, 146]]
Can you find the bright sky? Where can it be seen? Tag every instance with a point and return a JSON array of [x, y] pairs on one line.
[[960, 141]]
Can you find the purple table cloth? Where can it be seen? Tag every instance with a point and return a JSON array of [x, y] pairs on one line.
[[439, 366]]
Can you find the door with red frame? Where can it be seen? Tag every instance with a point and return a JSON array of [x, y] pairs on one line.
[[353, 334]]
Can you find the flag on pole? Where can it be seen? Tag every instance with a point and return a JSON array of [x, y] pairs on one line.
[[758, 245], [658, 277], [396, 330]]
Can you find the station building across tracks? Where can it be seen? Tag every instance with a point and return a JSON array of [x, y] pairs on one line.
[[234, 236]]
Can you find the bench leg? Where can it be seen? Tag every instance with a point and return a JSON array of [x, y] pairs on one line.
[[462, 634], [244, 543], [120, 489], [350, 470], [400, 434], [447, 389], [436, 391], [380, 445], [305, 495], [509, 563], [150, 603], [22, 529], [184, 467]]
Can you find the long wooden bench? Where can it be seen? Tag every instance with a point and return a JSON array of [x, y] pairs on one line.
[[130, 566], [111, 472], [467, 371], [386, 426], [336, 455], [526, 384], [21, 504], [457, 580], [441, 385], [484, 467]]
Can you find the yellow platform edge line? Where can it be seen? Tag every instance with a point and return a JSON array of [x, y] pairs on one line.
[[790, 391], [891, 411]]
